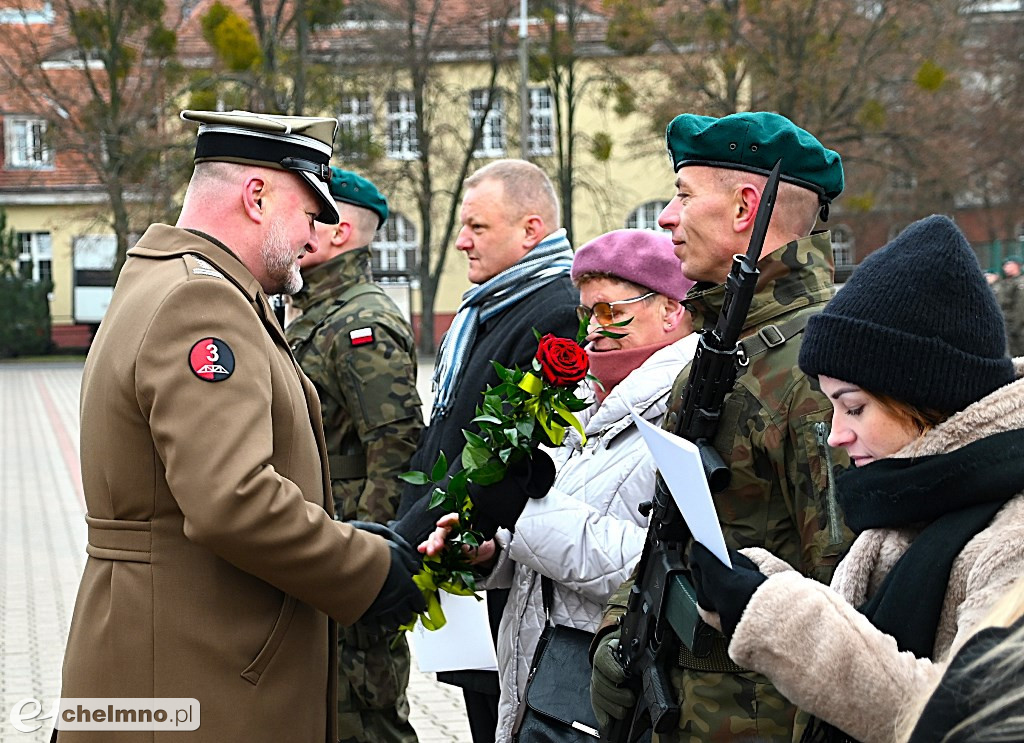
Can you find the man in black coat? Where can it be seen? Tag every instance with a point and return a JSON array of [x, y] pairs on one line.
[[519, 260]]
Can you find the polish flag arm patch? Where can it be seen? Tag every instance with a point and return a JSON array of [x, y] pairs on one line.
[[361, 337]]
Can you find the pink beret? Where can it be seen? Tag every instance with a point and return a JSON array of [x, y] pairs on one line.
[[644, 257]]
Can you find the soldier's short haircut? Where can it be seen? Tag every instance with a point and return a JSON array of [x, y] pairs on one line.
[[527, 188], [796, 208], [364, 220]]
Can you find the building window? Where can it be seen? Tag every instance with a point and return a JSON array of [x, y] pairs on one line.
[[402, 143], [901, 180], [645, 216], [25, 143], [394, 250], [842, 245], [35, 258], [355, 124], [541, 121], [492, 133]]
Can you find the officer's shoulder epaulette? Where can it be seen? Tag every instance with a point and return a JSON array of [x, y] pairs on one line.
[[196, 266]]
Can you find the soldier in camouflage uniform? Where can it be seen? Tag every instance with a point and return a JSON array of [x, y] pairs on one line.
[[1010, 293], [357, 348], [775, 423]]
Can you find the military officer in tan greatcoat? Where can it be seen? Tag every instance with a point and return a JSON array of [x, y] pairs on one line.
[[216, 571]]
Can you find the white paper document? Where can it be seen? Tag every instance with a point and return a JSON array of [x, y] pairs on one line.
[[680, 466], [463, 643]]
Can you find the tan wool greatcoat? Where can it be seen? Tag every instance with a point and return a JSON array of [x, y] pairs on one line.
[[214, 562]]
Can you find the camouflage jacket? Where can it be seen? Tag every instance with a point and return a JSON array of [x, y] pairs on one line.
[[360, 354], [775, 423], [773, 435]]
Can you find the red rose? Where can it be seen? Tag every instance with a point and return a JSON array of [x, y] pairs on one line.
[[562, 361]]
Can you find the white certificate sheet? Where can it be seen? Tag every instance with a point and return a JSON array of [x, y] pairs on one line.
[[463, 643], [680, 466]]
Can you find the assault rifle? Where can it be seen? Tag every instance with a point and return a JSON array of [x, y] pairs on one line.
[[662, 601]]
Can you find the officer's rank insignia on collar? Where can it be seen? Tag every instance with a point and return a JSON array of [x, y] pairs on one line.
[[203, 268], [361, 337], [211, 359]]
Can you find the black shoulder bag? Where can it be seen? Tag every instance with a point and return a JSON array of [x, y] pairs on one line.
[[556, 706]]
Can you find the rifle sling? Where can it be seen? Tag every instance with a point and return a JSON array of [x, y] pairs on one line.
[[772, 336]]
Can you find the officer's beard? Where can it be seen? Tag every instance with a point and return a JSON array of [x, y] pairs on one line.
[[279, 259]]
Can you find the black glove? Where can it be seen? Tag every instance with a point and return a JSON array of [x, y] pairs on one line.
[[723, 590], [399, 599], [501, 503]]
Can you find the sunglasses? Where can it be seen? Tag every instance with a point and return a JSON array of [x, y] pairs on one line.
[[603, 311]]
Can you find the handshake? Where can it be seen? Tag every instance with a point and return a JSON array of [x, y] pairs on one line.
[[399, 600], [500, 504]]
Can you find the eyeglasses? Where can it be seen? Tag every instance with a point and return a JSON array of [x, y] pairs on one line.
[[603, 311]]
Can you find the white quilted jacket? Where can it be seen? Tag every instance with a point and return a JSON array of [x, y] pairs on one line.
[[586, 534]]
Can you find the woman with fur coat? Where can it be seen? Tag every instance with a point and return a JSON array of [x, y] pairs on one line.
[[931, 411]]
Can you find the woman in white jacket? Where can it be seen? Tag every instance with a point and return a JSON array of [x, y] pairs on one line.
[[931, 410], [587, 533]]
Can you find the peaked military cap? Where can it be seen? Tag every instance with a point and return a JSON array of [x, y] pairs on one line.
[[755, 141], [351, 188], [300, 144]]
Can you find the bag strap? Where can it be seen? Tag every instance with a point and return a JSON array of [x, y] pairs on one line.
[[547, 594]]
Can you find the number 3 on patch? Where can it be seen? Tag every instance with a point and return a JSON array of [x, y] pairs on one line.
[[211, 359]]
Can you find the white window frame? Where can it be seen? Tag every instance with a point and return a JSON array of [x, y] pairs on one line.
[[37, 252], [402, 142], [843, 244], [645, 216], [394, 249], [492, 135], [25, 146], [542, 121], [356, 121]]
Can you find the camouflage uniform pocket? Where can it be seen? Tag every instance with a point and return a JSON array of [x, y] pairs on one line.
[[373, 673]]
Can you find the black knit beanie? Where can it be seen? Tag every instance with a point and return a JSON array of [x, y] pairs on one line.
[[916, 321]]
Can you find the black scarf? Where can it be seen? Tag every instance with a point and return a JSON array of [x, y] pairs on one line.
[[955, 496]]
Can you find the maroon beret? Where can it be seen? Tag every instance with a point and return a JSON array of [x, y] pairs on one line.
[[644, 257]]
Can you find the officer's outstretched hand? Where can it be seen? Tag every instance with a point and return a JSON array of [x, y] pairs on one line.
[[501, 503], [723, 590], [607, 694], [399, 599]]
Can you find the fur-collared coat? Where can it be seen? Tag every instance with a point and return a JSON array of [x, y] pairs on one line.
[[826, 657]]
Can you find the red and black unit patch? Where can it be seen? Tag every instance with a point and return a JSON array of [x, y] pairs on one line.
[[361, 337], [211, 359]]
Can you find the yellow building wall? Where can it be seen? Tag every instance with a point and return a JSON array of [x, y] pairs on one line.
[[64, 222], [637, 171]]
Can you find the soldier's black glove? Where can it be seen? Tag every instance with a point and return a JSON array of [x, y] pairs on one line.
[[723, 590], [501, 503], [399, 599]]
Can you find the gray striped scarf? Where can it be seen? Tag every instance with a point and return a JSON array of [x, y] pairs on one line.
[[550, 259]]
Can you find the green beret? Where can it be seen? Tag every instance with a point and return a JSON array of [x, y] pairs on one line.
[[755, 142], [353, 189]]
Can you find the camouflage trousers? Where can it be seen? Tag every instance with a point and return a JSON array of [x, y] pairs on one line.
[[728, 707], [372, 680]]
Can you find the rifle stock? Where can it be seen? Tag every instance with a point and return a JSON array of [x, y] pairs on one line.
[[647, 629]]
